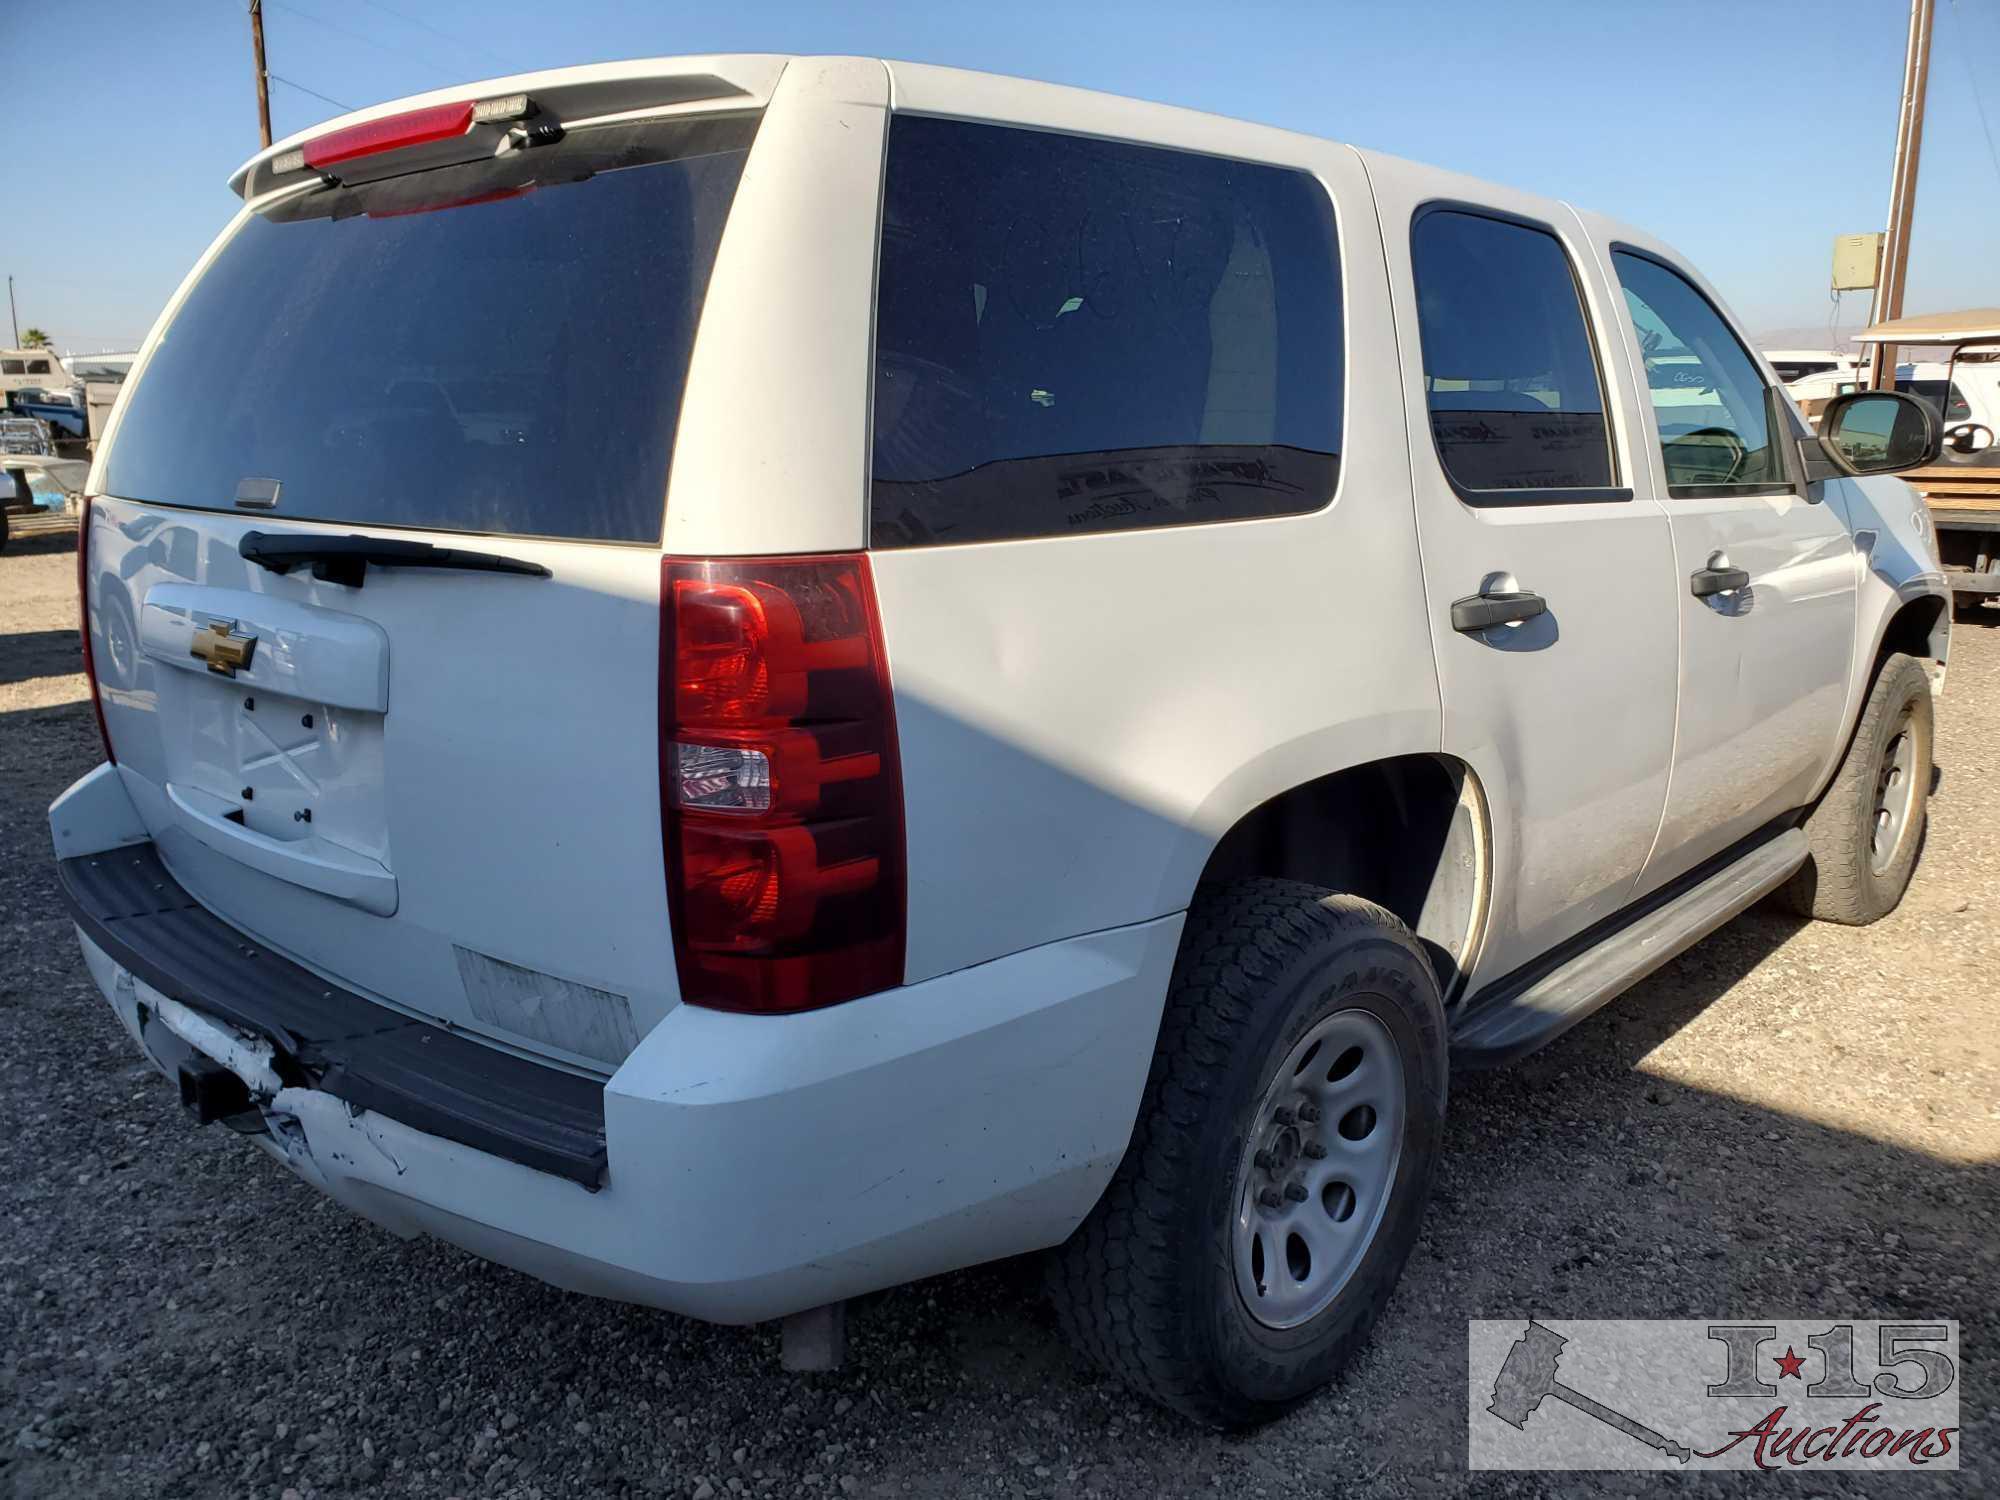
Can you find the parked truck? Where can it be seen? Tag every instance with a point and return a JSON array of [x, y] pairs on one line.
[[1962, 489]]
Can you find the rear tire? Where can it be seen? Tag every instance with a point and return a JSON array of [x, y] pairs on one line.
[[1866, 832], [1298, 1021]]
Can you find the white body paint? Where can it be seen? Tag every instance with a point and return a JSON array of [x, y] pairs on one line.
[[1081, 719]]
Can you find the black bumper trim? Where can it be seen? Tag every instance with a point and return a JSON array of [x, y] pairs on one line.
[[441, 1082]]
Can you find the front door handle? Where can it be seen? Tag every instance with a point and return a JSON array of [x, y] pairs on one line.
[[1478, 612], [1706, 581]]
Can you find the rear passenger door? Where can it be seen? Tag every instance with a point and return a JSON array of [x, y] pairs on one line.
[[1519, 458], [1765, 572]]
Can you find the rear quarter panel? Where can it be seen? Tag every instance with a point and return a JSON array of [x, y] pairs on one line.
[[1082, 718]]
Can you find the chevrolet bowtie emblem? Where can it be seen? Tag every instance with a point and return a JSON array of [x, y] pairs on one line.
[[222, 651]]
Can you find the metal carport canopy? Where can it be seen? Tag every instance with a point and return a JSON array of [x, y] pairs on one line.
[[1974, 325]]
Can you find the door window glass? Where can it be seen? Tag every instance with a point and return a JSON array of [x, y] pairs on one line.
[[1516, 405], [1713, 408]]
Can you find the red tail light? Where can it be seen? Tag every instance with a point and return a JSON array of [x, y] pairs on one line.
[[779, 783], [416, 127], [83, 622]]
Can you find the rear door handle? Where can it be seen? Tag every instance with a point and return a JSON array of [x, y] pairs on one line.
[[1706, 581], [1477, 612]]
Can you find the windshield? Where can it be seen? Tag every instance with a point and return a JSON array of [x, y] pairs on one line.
[[496, 347]]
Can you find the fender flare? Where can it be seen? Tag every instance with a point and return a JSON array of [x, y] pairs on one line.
[[1913, 590]]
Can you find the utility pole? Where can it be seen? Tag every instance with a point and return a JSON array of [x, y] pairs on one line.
[[1902, 189], [263, 78]]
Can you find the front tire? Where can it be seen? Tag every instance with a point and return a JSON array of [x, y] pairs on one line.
[[1866, 832], [1229, 1270]]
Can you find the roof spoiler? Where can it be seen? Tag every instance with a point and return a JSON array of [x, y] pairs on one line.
[[474, 120]]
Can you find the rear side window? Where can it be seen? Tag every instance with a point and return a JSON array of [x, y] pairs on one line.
[[1510, 376], [1078, 336], [496, 347], [1943, 397], [1718, 433]]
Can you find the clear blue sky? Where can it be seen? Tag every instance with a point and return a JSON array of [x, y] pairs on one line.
[[1747, 132]]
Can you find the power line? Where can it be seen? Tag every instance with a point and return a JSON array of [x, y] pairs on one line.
[[324, 98], [366, 40], [445, 36], [338, 30], [1972, 80]]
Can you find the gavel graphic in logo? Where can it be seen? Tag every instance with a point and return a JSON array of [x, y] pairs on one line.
[[1529, 1375]]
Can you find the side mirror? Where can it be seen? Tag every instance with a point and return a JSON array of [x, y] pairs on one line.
[[1879, 432]]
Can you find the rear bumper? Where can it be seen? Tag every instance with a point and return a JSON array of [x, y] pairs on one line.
[[756, 1166], [318, 1034]]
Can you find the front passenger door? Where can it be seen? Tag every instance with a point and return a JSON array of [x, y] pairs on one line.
[[1767, 575]]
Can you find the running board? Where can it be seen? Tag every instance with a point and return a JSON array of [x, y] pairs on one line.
[[1514, 1021]]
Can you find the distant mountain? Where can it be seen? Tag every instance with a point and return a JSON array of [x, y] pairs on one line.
[[1803, 338]]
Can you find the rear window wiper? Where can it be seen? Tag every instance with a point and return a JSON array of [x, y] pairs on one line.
[[345, 559]]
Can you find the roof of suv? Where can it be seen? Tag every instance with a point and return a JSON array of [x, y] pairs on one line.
[[747, 80], [652, 83]]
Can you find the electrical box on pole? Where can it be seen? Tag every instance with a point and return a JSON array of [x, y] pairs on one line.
[[1857, 261]]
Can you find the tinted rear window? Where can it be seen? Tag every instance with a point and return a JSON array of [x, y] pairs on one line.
[[1078, 335], [498, 347]]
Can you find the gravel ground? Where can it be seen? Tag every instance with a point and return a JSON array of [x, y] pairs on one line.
[[1793, 1120]]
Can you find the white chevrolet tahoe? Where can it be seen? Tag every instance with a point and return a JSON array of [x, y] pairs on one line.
[[735, 680]]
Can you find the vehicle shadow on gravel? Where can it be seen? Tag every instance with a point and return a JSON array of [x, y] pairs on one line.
[[188, 1320], [39, 653], [1573, 1186], [37, 543], [179, 1317]]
